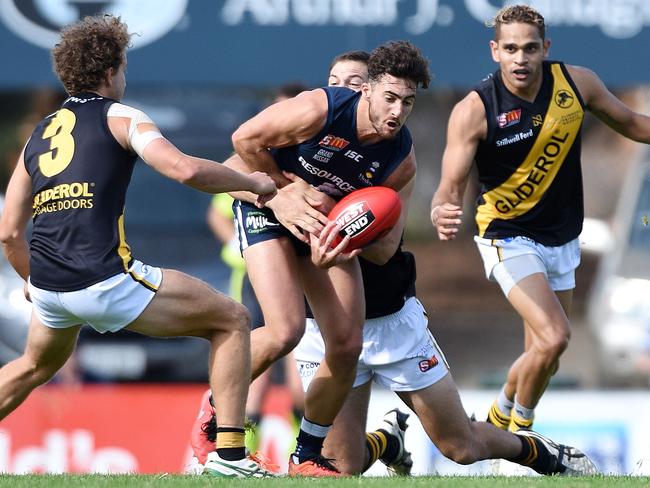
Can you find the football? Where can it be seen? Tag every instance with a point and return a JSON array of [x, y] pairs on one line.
[[366, 215]]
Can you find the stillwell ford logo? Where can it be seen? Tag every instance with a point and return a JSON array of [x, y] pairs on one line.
[[40, 21]]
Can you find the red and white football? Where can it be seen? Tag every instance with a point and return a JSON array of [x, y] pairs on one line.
[[366, 215]]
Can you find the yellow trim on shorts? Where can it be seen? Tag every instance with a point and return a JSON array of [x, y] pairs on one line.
[[499, 250], [143, 282], [124, 250]]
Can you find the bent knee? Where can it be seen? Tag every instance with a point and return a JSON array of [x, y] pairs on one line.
[[287, 338], [459, 452], [344, 353], [553, 345], [235, 317]]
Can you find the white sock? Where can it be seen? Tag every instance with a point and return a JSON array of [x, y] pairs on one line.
[[504, 403], [523, 412]]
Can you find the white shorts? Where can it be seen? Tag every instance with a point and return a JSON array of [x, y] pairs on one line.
[[398, 352], [508, 261], [107, 306]]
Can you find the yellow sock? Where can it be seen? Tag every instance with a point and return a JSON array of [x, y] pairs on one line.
[[376, 442], [498, 418], [518, 423]]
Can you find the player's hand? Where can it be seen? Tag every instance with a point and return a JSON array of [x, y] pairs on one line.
[[263, 186], [316, 198], [294, 211], [323, 254], [446, 218]]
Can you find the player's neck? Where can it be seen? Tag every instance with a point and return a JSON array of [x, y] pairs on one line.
[[528, 93], [366, 133]]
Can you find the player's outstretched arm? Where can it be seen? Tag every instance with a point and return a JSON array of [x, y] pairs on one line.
[[203, 174], [15, 217], [609, 109], [467, 126], [135, 131]]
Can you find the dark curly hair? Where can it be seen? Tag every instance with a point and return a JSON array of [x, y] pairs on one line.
[[87, 49], [522, 14], [400, 59]]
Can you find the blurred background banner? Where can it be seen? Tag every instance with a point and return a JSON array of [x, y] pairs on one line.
[[103, 429], [262, 42], [145, 429]]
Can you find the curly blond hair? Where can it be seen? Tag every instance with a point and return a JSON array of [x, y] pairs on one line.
[[87, 49], [522, 14]]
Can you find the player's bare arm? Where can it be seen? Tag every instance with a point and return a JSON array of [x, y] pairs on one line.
[[609, 109], [15, 217], [144, 138], [403, 181], [467, 126], [286, 123]]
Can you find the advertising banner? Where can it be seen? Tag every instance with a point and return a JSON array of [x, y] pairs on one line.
[[266, 42], [145, 429]]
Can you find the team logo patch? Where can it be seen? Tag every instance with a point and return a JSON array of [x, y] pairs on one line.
[[334, 143], [563, 99], [507, 119], [426, 364], [355, 219]]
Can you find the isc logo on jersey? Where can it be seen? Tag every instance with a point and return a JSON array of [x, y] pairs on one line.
[[356, 219]]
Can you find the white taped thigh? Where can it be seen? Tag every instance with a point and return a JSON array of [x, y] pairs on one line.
[[511, 271]]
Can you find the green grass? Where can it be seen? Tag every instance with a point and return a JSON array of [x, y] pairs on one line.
[[167, 481]]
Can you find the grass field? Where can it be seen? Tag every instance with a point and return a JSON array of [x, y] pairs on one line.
[[165, 481]]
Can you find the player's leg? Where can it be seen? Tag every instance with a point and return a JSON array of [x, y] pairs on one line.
[[500, 411], [542, 311], [444, 420], [186, 306], [337, 300], [309, 354], [273, 272], [346, 442], [46, 351]]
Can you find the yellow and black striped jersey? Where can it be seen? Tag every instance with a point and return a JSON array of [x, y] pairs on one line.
[[80, 175], [529, 164]]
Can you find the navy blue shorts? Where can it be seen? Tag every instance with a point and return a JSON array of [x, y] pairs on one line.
[[253, 225]]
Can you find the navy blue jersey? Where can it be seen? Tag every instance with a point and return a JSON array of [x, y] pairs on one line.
[[334, 161], [387, 286], [529, 164], [79, 174]]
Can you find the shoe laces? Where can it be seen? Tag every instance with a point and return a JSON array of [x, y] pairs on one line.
[[264, 462], [325, 463]]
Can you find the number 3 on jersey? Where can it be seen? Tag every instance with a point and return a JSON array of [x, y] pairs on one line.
[[59, 132]]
